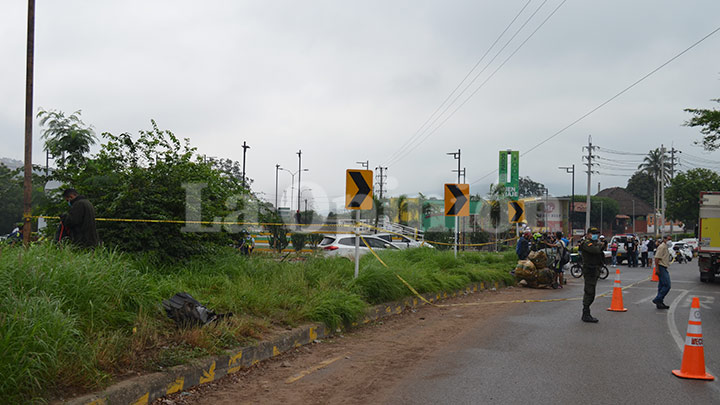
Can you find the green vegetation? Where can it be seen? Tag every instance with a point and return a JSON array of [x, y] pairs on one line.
[[72, 319]]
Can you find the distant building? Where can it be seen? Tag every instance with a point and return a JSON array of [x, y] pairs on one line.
[[632, 214]]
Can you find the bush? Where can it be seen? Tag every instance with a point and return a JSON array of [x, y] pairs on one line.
[[298, 240]]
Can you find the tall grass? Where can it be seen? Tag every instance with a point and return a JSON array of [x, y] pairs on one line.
[[73, 318]]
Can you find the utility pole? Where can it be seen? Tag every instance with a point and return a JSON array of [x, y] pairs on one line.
[[27, 180], [589, 172], [672, 176], [245, 148], [381, 176], [456, 155], [662, 190]]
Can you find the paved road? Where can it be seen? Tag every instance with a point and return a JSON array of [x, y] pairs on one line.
[[541, 353]]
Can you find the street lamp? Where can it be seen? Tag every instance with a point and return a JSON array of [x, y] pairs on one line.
[[571, 169], [292, 184], [277, 167]]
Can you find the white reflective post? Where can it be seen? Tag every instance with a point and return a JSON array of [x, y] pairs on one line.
[[357, 243]]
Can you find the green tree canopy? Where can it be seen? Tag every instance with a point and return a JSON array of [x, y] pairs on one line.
[[642, 185], [67, 138], [683, 195], [529, 188], [709, 122]]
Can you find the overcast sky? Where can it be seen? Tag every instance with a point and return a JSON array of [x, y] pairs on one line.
[[354, 81]]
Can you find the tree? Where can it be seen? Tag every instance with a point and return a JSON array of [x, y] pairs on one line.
[[402, 209], [67, 139], [683, 195], [709, 122], [657, 165], [11, 199], [642, 185], [529, 188]]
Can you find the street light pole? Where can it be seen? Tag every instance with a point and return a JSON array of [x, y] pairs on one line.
[[456, 155], [277, 167], [299, 153], [571, 169], [245, 148]]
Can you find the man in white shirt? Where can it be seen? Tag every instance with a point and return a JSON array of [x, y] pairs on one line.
[[644, 252]]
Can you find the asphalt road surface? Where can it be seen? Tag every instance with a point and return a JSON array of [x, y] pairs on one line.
[[543, 354], [488, 348]]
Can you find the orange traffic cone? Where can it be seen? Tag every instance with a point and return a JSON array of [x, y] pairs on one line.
[[655, 276], [617, 301], [693, 361]]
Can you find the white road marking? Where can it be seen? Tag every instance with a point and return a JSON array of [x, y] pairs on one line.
[[676, 334], [646, 299]]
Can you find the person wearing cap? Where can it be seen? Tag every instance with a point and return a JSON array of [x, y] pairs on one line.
[[592, 250], [523, 245], [662, 261]]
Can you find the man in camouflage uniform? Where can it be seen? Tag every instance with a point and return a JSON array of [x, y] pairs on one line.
[[593, 255]]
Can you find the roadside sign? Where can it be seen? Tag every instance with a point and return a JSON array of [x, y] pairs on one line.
[[578, 232], [512, 185], [457, 197], [516, 211], [358, 189]]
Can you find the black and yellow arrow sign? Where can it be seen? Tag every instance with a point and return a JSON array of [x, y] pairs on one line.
[[456, 200], [358, 189], [516, 211]]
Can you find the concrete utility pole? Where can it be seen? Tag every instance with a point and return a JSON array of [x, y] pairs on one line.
[[672, 176], [589, 172], [662, 190], [27, 180], [381, 176], [245, 148]]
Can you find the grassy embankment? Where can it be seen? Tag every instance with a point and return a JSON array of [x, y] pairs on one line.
[[74, 320]]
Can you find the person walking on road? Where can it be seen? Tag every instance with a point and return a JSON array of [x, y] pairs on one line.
[[662, 261], [593, 256], [79, 221], [613, 251]]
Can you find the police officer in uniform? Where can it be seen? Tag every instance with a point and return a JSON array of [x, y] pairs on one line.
[[593, 255]]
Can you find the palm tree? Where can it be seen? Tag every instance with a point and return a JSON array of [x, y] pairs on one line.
[[66, 138], [402, 209], [379, 209], [653, 164]]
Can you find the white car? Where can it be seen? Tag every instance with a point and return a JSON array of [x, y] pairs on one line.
[[344, 245], [401, 242]]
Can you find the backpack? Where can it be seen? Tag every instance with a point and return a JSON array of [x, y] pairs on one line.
[[564, 254], [186, 311]]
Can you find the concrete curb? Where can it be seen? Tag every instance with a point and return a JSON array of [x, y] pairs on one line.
[[147, 388]]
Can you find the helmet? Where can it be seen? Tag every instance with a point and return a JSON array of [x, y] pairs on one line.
[[537, 235], [593, 230]]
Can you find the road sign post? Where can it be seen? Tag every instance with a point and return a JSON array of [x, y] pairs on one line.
[[457, 197], [512, 184], [358, 196]]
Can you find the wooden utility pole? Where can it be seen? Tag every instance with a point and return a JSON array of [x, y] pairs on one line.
[[27, 181]]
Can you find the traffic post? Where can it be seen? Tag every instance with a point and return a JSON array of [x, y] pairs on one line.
[[358, 196], [457, 197]]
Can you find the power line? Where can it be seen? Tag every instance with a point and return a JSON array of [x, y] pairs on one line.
[[407, 152], [603, 104], [423, 128]]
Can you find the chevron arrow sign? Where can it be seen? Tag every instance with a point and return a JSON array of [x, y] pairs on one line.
[[457, 197], [358, 189]]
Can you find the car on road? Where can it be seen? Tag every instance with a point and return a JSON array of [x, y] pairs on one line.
[[344, 245], [621, 240], [401, 241]]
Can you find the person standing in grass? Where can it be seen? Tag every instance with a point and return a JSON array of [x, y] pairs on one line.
[[79, 221]]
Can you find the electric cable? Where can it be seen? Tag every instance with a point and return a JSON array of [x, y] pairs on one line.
[[423, 128], [423, 139], [604, 103]]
